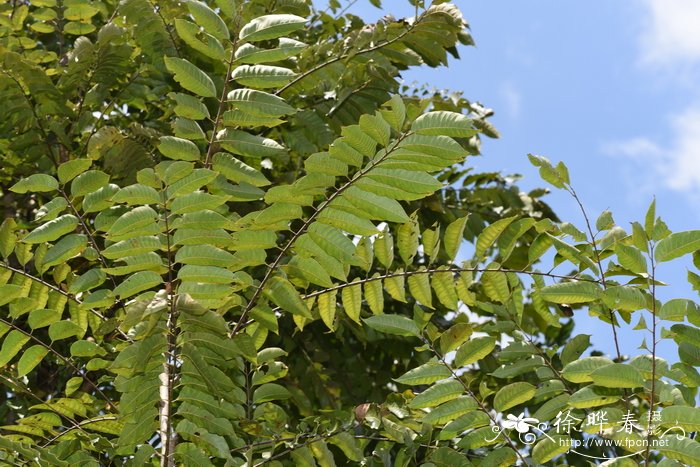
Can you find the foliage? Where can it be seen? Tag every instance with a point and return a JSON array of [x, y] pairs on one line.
[[232, 237]]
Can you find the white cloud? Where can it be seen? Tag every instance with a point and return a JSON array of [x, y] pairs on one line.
[[672, 34], [676, 165], [512, 99]]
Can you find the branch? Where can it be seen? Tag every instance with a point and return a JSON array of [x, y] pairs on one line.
[[653, 351], [307, 223], [471, 394], [222, 102], [347, 55], [167, 434], [65, 360], [78, 427], [19, 387], [428, 271], [58, 290], [600, 267]]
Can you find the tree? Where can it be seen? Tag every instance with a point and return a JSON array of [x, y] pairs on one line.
[[232, 237]]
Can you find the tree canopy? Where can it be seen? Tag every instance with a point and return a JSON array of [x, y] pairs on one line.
[[232, 236]]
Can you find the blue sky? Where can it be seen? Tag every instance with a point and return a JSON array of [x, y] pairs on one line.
[[607, 87]]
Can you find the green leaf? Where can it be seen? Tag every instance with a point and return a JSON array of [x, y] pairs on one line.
[[37, 183], [513, 394], [374, 295], [83, 348], [676, 245], [270, 392], [204, 255], [197, 201], [286, 48], [454, 236], [580, 371], [262, 76], [311, 270], [443, 283], [570, 292], [284, 295], [206, 274], [349, 445], [66, 248], [190, 77], [605, 221], [42, 318], [444, 123], [259, 103], [682, 449], [678, 309], [178, 148], [407, 240], [454, 337], [71, 169], [399, 184], [631, 258], [8, 239], [352, 302], [419, 286], [474, 350], [624, 298], [384, 248], [131, 247], [425, 374], [348, 222], [271, 27], [208, 19], [617, 375], [686, 334], [30, 359], [594, 396], [685, 417], [64, 329], [192, 182], [132, 221], [575, 348], [395, 285], [490, 234], [137, 194], [88, 280], [550, 447], [245, 144], [377, 128], [189, 106], [327, 309], [450, 411], [88, 182], [52, 230], [237, 171], [463, 423], [495, 283], [199, 40], [11, 346], [437, 394], [138, 282], [393, 324]]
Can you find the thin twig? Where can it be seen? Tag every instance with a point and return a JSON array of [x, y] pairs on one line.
[[647, 454], [600, 265], [304, 227], [348, 54], [65, 360], [60, 291], [222, 103], [471, 394]]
